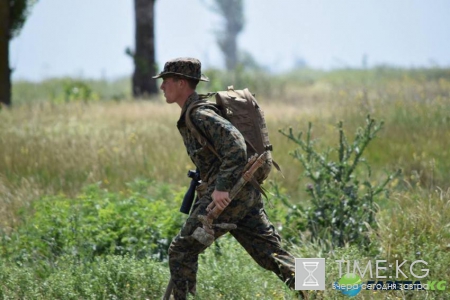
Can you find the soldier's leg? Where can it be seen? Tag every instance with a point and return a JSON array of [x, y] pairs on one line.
[[184, 249], [260, 239], [183, 255]]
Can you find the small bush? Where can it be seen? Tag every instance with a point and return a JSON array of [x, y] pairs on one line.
[[98, 222], [78, 90], [342, 205]]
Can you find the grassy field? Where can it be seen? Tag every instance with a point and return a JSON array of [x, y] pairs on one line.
[[58, 145]]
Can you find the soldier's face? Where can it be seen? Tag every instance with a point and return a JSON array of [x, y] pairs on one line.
[[171, 89]]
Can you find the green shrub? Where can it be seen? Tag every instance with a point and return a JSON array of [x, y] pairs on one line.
[[140, 222], [342, 207], [78, 90], [106, 277]]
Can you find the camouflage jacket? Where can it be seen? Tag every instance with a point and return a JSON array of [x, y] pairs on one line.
[[223, 136]]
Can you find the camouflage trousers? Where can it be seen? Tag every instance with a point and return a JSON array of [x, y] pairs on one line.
[[254, 232]]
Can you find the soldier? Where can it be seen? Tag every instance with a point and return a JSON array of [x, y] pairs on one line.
[[254, 230]]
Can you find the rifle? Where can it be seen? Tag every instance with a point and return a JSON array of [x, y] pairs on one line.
[[205, 234], [190, 194]]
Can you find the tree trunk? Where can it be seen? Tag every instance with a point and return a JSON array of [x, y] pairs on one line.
[[228, 45], [5, 72], [144, 56], [232, 12]]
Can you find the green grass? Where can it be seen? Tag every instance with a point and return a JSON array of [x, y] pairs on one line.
[[50, 147]]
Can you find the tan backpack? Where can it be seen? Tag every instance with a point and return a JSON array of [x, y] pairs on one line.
[[242, 110]]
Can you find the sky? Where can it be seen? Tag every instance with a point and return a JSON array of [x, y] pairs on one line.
[[88, 38]]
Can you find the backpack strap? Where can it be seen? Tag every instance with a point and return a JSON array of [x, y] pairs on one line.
[[277, 166], [194, 130]]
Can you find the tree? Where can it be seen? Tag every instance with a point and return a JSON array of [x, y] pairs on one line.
[[232, 12], [5, 83], [144, 54], [13, 14]]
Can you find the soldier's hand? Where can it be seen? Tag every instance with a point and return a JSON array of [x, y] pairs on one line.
[[220, 199]]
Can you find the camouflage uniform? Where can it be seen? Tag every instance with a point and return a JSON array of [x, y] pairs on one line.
[[254, 230]]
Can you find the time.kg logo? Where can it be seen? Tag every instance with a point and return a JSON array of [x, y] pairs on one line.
[[310, 273]]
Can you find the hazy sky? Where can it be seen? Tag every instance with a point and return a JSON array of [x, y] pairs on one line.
[[88, 38]]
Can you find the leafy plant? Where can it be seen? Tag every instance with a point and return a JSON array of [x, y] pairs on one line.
[[343, 205], [97, 222], [78, 90]]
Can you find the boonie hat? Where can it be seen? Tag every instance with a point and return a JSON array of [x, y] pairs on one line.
[[184, 66]]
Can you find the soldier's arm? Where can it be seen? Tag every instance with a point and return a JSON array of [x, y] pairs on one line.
[[228, 143]]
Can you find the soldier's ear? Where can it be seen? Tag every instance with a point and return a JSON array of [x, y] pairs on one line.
[[182, 82]]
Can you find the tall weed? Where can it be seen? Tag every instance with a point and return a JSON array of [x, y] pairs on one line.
[[343, 204]]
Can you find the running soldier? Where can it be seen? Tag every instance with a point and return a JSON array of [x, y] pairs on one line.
[[254, 230]]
